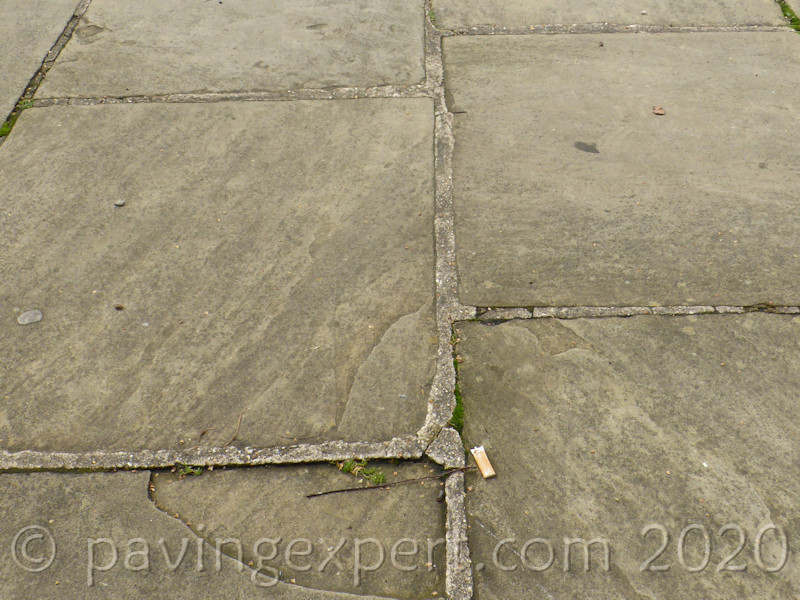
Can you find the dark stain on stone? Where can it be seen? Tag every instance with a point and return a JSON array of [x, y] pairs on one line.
[[556, 338], [584, 147], [88, 33], [762, 165]]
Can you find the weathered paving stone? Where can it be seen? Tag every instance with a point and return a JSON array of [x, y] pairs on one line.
[[86, 517], [598, 428], [452, 14], [27, 32], [272, 261], [693, 207], [251, 504], [153, 47]]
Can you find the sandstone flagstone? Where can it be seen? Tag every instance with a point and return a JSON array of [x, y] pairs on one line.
[[273, 264], [600, 429], [404, 524], [569, 190], [156, 47], [72, 536]]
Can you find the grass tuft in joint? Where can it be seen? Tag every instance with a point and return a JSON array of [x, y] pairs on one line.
[[12, 118], [359, 468], [794, 20]]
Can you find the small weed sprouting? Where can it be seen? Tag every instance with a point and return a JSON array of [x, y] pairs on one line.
[[432, 17], [186, 470], [6, 128], [794, 20], [359, 468]]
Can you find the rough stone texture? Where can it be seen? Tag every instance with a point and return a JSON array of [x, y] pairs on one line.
[[153, 47], [599, 427], [76, 507], [27, 32], [459, 566], [249, 504], [570, 191], [447, 449], [272, 260], [452, 14]]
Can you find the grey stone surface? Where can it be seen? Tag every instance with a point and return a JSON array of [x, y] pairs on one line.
[[153, 47], [272, 261], [452, 14], [249, 504], [600, 427], [447, 449], [693, 207], [74, 508], [27, 32]]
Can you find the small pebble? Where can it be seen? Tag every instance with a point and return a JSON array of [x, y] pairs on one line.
[[119, 203], [30, 316]]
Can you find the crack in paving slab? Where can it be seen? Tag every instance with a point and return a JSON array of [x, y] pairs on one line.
[[341, 278], [107, 534], [439, 408], [298, 534], [434, 438]]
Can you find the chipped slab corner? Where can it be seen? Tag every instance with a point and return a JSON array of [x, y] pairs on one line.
[[447, 449]]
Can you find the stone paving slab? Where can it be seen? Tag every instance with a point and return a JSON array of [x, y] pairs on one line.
[[569, 190], [68, 510], [454, 14], [600, 427], [27, 32], [155, 47], [249, 504], [272, 261]]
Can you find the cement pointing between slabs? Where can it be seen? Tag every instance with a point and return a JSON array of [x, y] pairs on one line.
[[454, 14]]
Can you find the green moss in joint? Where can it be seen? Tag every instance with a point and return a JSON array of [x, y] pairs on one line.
[[457, 420]]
